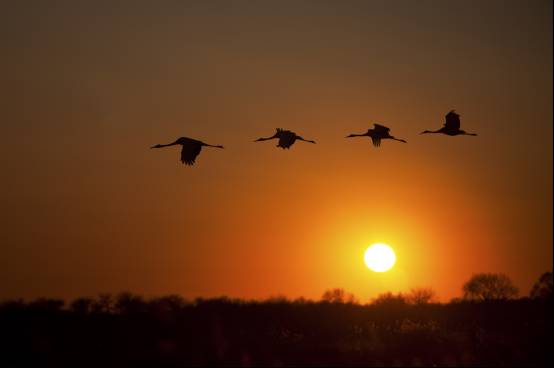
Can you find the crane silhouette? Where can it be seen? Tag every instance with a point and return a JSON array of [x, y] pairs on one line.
[[286, 138], [377, 133], [190, 148], [451, 126]]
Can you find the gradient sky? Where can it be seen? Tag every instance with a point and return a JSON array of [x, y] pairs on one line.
[[89, 86]]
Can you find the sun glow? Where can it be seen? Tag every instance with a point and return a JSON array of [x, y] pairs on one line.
[[379, 257]]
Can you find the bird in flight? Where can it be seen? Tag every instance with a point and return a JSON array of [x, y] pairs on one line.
[[286, 138], [377, 133], [190, 148], [451, 126]]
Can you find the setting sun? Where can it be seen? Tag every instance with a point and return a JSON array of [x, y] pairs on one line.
[[379, 257]]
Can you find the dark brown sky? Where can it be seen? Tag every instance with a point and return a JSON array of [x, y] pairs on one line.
[[88, 86]]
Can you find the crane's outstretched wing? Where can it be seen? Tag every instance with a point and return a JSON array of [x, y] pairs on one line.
[[376, 141], [452, 121], [380, 128], [189, 153]]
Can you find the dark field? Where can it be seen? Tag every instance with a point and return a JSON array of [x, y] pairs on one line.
[[129, 331]]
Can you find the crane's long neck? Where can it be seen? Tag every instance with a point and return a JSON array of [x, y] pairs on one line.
[[431, 131], [265, 139], [357, 135], [164, 145], [398, 139]]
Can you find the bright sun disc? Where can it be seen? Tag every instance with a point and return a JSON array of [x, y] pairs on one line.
[[379, 257]]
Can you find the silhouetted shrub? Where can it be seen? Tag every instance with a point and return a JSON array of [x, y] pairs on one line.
[[338, 295], [82, 305], [8, 305], [127, 303], [390, 300], [421, 296], [169, 303], [45, 304], [104, 304], [277, 299]]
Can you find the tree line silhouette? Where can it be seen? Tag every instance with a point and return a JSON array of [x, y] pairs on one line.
[[488, 325]]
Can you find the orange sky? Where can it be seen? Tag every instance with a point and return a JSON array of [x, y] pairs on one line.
[[87, 88]]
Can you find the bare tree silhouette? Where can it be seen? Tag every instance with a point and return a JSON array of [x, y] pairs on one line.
[[542, 289], [489, 286], [420, 296]]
